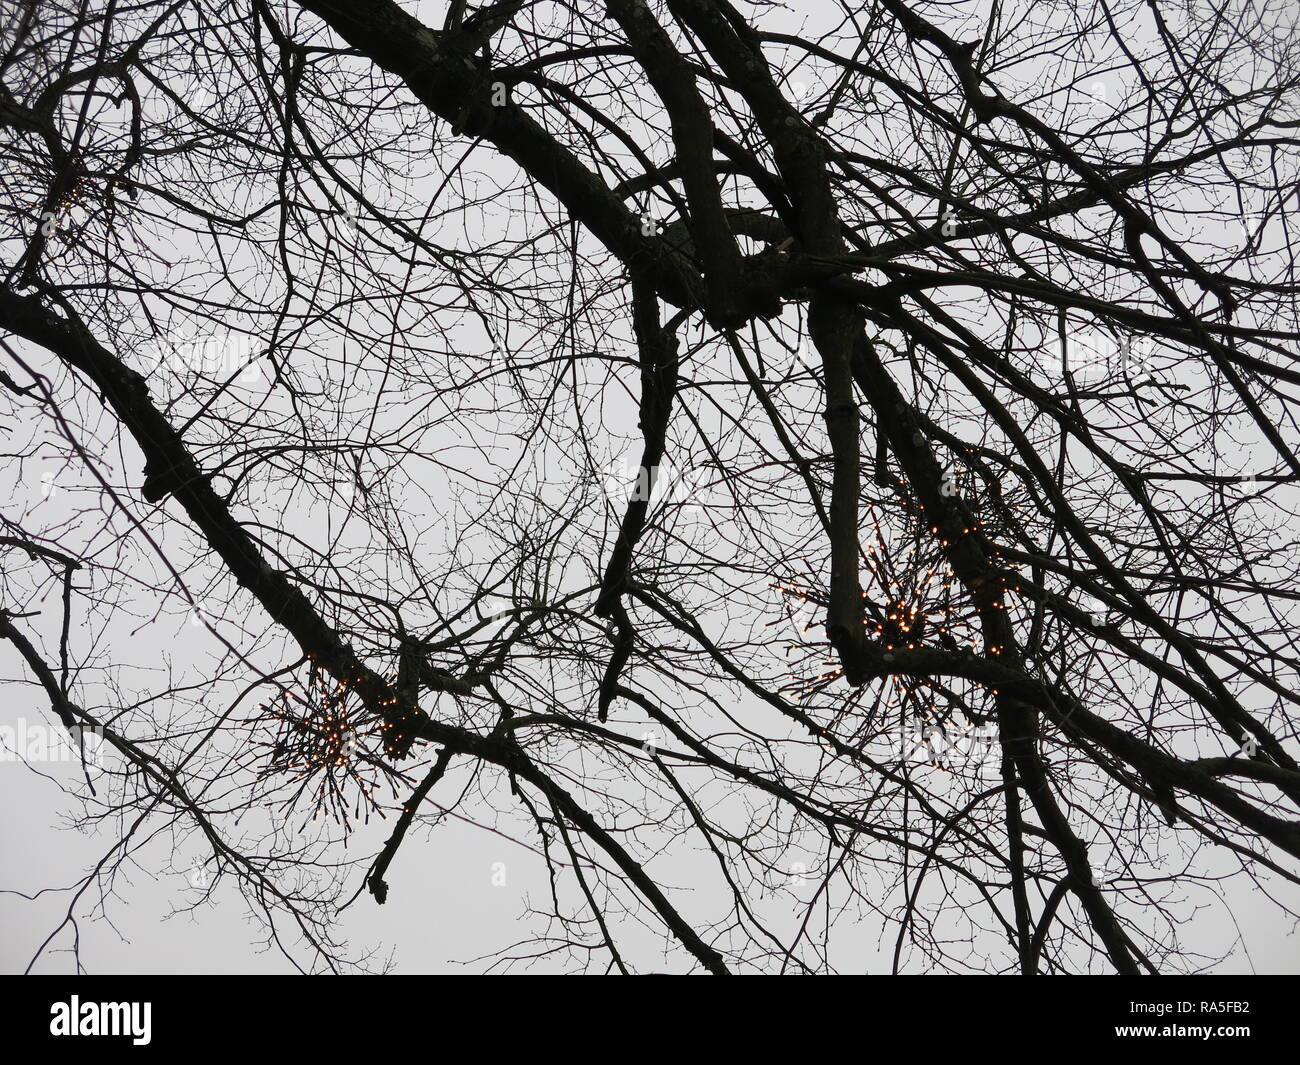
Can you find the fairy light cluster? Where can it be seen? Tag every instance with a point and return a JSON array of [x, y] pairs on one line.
[[911, 599], [74, 197], [318, 746]]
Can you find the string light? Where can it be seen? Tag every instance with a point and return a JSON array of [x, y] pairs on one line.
[[319, 743], [912, 601]]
